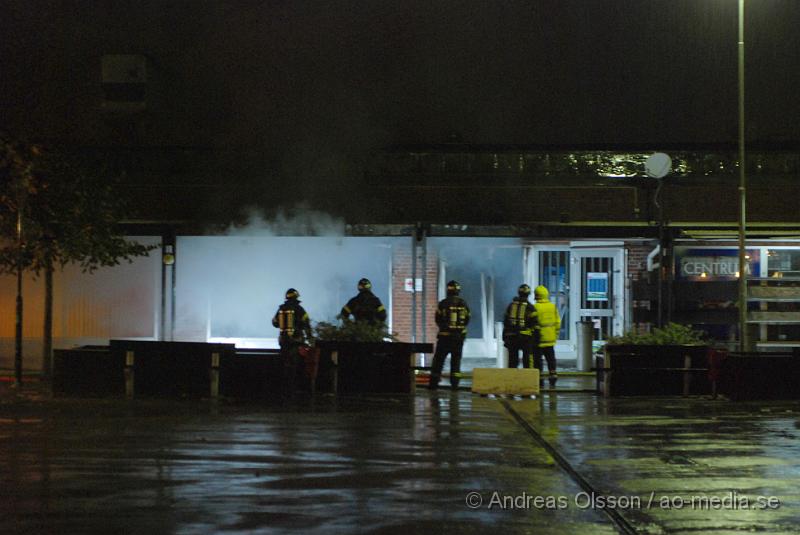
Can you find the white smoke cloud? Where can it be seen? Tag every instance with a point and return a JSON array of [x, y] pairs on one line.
[[300, 220]]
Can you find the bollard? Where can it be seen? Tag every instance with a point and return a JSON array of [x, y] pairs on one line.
[[687, 376], [502, 351], [214, 375], [129, 374], [585, 338], [335, 370], [413, 373]]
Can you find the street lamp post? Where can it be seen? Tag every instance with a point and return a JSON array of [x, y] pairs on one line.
[[743, 342]]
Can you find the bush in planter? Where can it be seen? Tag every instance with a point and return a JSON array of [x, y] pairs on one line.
[[365, 361], [353, 331], [647, 363], [671, 334]]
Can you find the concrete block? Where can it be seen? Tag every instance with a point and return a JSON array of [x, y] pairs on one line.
[[516, 381]]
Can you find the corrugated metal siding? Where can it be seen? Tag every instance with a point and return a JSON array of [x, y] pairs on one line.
[[115, 302]]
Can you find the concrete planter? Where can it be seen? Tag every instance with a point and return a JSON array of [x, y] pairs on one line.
[[641, 370], [367, 367], [142, 368], [88, 371], [757, 376]]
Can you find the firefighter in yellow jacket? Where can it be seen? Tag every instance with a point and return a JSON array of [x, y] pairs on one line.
[[546, 326], [452, 318]]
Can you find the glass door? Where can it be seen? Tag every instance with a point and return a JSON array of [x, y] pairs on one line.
[[598, 290], [550, 267]]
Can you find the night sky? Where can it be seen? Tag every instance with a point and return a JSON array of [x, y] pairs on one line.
[[373, 73]]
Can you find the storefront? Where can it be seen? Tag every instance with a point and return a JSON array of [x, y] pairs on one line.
[[225, 288], [586, 280], [706, 290]]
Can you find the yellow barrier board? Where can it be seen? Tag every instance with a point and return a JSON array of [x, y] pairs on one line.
[[520, 381]]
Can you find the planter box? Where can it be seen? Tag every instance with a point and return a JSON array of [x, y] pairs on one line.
[[171, 369], [636, 370], [756, 376], [368, 367], [196, 369], [252, 374], [88, 371]]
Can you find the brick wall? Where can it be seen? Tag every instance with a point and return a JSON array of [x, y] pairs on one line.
[[637, 261], [402, 300], [637, 271]]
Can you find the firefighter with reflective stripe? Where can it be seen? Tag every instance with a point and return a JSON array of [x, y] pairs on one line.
[[295, 329], [452, 318], [546, 325], [365, 306], [518, 328]]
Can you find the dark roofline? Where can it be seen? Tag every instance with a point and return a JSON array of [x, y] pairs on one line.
[[784, 145]]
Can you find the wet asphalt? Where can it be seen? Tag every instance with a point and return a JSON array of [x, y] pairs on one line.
[[444, 462]]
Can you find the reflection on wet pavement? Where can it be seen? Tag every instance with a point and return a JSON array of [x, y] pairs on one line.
[[390, 464], [698, 466]]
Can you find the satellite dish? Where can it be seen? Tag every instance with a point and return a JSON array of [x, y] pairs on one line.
[[658, 165]]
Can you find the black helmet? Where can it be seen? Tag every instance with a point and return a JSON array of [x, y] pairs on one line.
[[524, 290], [453, 288], [364, 284], [291, 293]]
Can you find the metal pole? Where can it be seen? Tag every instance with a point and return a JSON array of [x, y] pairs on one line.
[[173, 294], [743, 342], [163, 330], [414, 286], [661, 261], [424, 326]]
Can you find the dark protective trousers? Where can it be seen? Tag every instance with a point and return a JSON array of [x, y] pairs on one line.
[[520, 344], [444, 345], [549, 354], [289, 356]]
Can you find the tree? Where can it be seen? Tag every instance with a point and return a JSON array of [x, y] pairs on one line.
[[58, 208]]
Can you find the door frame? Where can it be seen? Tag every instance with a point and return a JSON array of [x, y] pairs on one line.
[[618, 254], [568, 348]]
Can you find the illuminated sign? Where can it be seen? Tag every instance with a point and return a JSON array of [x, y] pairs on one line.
[[713, 264]]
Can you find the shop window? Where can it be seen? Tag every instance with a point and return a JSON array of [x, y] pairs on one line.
[[783, 263]]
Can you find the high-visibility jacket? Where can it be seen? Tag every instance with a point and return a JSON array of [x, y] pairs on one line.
[[547, 322], [292, 321], [519, 318], [365, 307], [452, 316]]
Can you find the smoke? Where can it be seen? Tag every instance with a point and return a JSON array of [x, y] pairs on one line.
[[498, 261], [300, 220], [229, 286]]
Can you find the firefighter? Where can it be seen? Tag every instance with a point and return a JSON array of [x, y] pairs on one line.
[[518, 328], [546, 325], [295, 329], [452, 318], [365, 306]]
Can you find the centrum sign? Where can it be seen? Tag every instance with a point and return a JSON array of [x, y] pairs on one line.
[[713, 264]]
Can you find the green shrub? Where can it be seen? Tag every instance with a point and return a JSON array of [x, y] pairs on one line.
[[353, 331], [671, 334]]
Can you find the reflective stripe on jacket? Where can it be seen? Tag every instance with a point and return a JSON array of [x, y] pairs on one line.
[[547, 322], [452, 316], [365, 307], [292, 321], [519, 318]]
